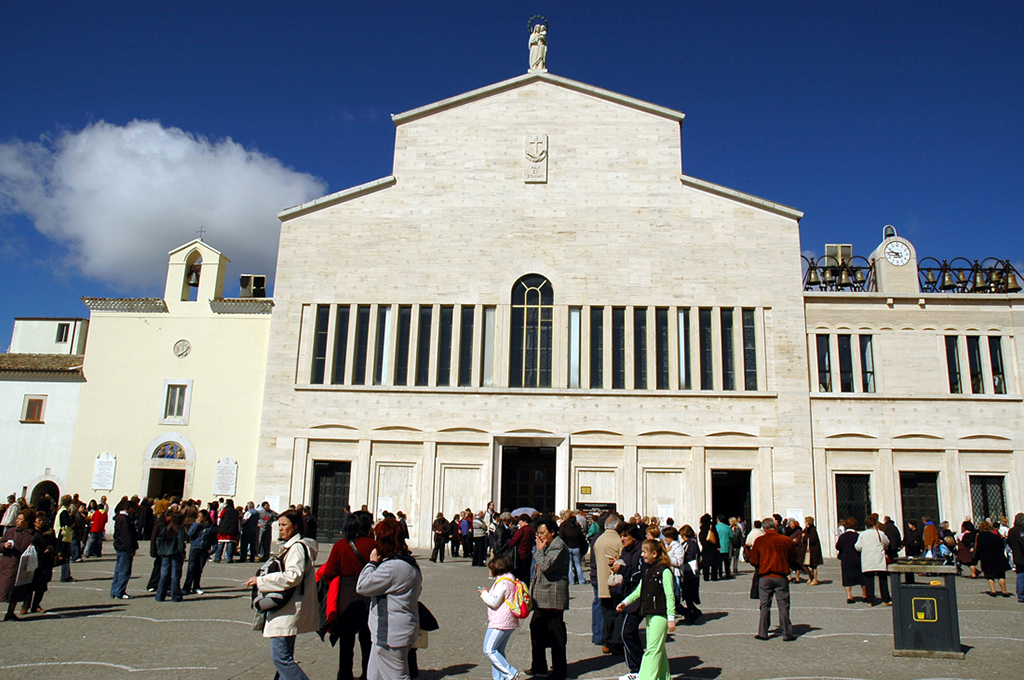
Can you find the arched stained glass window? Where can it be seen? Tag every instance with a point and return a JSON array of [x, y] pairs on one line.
[[530, 347], [169, 451]]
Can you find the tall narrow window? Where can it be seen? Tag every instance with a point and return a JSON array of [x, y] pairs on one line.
[[661, 346], [845, 364], [974, 364], [402, 346], [323, 318], [685, 378], [707, 379], [867, 364], [530, 344], [487, 351], [953, 365], [340, 344], [62, 332], [574, 347], [175, 404], [444, 346], [466, 347], [995, 353], [640, 348], [383, 353], [618, 348], [597, 347], [362, 344], [749, 351], [728, 360], [423, 347], [824, 364]]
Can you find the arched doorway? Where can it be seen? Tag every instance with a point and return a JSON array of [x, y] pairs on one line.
[[168, 467], [41, 490]]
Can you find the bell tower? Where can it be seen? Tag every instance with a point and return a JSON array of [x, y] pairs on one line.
[[195, 273]]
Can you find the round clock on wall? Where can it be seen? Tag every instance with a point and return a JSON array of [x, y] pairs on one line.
[[182, 348], [897, 253]]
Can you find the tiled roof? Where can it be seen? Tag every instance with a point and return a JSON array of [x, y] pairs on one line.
[[41, 363], [125, 304], [242, 305]]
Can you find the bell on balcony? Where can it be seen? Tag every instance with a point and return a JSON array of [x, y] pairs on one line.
[[1011, 283], [929, 277], [812, 277], [961, 278], [947, 281], [858, 276], [826, 274], [193, 276], [979, 280], [844, 278]]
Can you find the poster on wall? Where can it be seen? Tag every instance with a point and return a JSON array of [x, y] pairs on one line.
[[384, 504], [666, 511], [103, 472], [274, 501], [225, 477]]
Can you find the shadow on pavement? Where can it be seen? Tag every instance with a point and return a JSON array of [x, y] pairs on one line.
[[596, 663], [705, 618], [803, 629], [460, 669], [76, 612], [687, 667]]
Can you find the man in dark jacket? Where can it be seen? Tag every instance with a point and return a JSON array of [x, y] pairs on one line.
[[774, 556], [1015, 539], [126, 543], [892, 532], [550, 591]]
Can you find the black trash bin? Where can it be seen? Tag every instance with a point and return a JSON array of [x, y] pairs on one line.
[[925, 621]]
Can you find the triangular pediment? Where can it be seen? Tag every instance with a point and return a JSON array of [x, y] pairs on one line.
[[527, 79]]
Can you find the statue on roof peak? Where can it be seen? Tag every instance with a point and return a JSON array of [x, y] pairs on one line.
[[538, 44]]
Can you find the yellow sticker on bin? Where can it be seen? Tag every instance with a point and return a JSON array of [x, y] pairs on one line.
[[935, 583], [925, 609]]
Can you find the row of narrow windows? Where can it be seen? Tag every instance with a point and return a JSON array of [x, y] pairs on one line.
[[856, 363], [635, 347]]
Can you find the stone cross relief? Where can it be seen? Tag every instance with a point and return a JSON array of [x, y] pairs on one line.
[[537, 159]]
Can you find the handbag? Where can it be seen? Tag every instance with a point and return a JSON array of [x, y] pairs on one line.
[[755, 586], [269, 602]]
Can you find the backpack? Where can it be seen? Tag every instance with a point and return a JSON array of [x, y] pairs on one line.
[[521, 602], [269, 602]]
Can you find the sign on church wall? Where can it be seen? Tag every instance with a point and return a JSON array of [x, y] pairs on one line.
[[103, 472], [225, 477]]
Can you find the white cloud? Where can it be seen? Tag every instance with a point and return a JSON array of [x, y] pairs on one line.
[[120, 197]]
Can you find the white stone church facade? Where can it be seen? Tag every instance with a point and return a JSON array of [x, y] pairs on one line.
[[538, 308]]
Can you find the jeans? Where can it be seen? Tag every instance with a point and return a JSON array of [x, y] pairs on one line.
[[596, 617], [248, 546], [495, 641], [228, 551], [282, 653], [94, 546], [170, 578], [196, 562], [76, 550], [122, 572], [576, 574]]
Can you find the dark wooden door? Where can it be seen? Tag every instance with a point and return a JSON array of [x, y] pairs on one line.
[[528, 478], [920, 494], [330, 496]]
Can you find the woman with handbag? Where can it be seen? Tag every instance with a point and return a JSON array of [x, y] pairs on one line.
[[46, 544], [872, 544], [347, 558], [15, 541], [300, 611]]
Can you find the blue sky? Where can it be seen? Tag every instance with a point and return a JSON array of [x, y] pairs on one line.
[[124, 127]]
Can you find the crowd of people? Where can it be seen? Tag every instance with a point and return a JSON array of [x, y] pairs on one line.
[[368, 588]]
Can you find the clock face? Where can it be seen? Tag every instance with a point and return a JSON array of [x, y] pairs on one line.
[[182, 348], [897, 253]]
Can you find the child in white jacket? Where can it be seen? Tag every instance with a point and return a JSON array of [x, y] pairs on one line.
[[500, 621]]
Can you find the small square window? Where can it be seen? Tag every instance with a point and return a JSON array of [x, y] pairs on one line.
[[63, 329], [177, 398], [32, 408]]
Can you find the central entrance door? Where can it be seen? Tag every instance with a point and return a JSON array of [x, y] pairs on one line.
[[528, 478], [166, 482], [730, 493], [330, 496], [920, 494]]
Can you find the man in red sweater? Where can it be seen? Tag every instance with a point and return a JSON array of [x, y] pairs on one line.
[[773, 555]]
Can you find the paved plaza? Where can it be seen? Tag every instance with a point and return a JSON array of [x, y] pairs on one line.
[[86, 635]]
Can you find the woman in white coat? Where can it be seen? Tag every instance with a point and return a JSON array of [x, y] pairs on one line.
[[872, 543], [302, 612]]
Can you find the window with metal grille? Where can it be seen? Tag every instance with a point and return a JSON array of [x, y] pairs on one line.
[[853, 497], [987, 497]]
